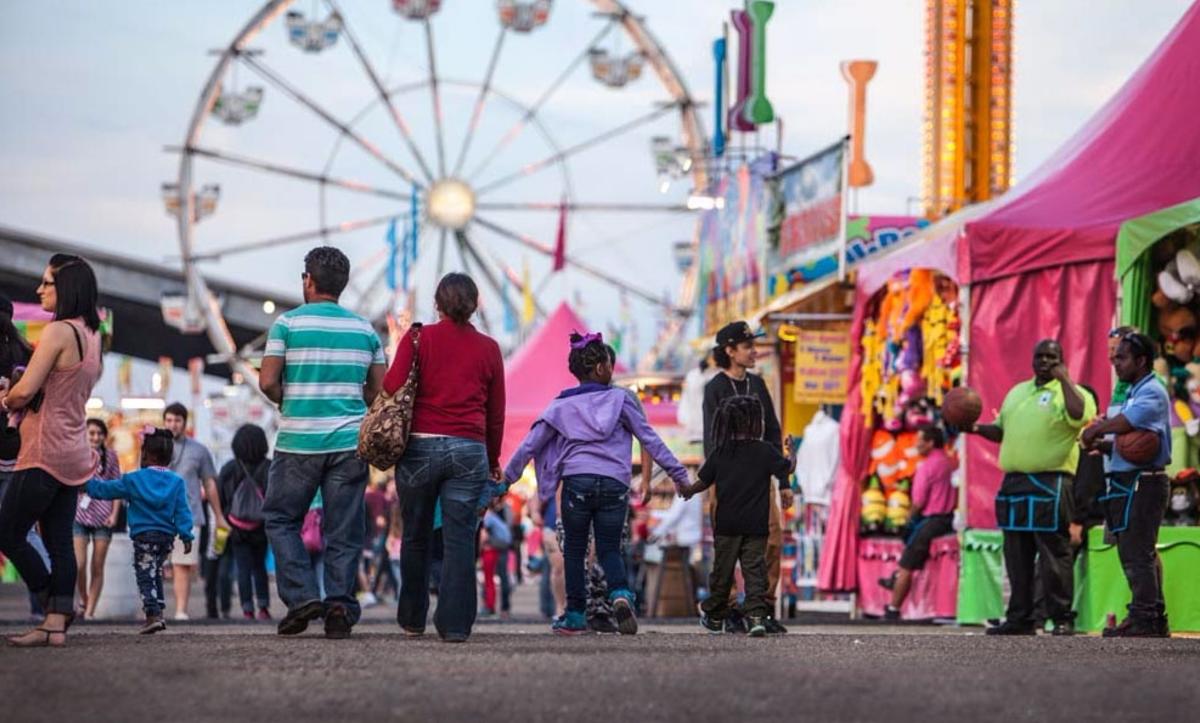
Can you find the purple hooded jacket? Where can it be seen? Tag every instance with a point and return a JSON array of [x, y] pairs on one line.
[[589, 430]]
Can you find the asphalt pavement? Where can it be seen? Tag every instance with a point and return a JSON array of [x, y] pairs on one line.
[[518, 671]]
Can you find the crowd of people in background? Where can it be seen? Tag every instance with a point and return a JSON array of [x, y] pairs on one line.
[[449, 511]]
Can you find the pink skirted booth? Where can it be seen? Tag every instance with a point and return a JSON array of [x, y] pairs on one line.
[[857, 552]]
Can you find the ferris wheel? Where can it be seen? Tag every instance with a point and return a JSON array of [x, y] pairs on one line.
[[417, 172]]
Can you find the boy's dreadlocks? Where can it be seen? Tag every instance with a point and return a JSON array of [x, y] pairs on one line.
[[739, 417]]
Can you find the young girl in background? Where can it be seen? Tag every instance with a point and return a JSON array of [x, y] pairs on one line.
[[94, 523]]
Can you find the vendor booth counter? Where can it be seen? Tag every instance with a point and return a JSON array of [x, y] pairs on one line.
[[934, 588], [1100, 586]]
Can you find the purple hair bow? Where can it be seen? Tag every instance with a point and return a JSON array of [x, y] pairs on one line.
[[587, 339]]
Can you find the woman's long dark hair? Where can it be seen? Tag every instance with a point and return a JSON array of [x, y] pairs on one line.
[[250, 445], [738, 418], [14, 350], [77, 292], [103, 450]]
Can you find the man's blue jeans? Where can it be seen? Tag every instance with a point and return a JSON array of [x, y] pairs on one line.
[[454, 471], [293, 482], [600, 504]]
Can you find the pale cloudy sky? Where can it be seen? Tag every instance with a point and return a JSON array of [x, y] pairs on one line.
[[93, 91]]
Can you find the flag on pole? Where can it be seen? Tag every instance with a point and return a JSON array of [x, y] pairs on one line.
[[560, 242], [414, 225], [392, 250], [527, 307], [510, 313]]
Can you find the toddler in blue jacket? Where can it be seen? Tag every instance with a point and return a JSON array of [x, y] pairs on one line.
[[158, 510]]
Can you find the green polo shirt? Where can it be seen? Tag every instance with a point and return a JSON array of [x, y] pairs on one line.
[[1039, 436]]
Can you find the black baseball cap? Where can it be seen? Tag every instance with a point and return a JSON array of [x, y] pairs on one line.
[[734, 334]]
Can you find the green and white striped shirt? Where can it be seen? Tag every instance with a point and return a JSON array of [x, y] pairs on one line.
[[327, 352]]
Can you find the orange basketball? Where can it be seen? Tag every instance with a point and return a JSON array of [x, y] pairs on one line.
[[962, 407], [1138, 447]]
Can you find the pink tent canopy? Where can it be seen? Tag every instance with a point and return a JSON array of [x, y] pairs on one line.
[[1041, 263]]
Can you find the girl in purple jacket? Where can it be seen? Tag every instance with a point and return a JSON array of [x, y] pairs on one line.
[[585, 439]]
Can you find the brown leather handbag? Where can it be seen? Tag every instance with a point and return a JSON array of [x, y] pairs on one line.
[[383, 436]]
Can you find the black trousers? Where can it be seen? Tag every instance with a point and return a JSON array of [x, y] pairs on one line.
[[218, 584], [728, 550], [1044, 557], [1136, 548], [33, 496]]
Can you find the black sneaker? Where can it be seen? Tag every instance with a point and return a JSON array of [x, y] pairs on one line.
[[1065, 628], [1007, 628], [623, 611], [1164, 630], [602, 624], [337, 623], [296, 621], [891, 614], [736, 623], [773, 626], [1134, 628], [757, 628], [714, 627]]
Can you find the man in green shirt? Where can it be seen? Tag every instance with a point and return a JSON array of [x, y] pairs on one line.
[[322, 365], [1038, 431]]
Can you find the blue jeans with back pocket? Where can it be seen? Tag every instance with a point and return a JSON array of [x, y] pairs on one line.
[[454, 471], [600, 504]]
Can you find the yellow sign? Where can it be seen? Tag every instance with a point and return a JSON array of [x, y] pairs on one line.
[[822, 362]]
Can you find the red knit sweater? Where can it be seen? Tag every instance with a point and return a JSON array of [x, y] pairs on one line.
[[460, 392]]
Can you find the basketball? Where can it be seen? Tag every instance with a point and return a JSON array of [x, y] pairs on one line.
[[962, 407], [1138, 447]]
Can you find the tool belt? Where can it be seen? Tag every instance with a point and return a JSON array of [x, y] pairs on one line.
[[1117, 501]]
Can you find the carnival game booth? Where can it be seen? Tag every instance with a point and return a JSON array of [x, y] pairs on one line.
[[906, 353], [1122, 197]]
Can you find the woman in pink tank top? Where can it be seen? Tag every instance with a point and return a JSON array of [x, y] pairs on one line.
[[55, 458]]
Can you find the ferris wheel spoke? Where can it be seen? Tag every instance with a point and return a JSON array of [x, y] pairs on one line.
[[489, 274], [441, 260], [586, 268], [480, 102], [435, 92], [338, 228], [295, 94], [531, 112], [584, 206], [577, 148], [234, 159], [384, 96]]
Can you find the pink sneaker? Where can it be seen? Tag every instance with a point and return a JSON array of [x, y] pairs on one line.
[[247, 615], [263, 614]]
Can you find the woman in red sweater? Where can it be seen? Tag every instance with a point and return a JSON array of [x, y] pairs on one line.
[[452, 455]]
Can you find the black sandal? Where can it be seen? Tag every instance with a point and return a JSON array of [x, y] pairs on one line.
[[46, 641]]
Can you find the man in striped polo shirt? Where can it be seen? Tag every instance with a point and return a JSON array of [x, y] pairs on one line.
[[323, 365]]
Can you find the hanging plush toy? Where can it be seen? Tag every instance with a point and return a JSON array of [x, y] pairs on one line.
[[899, 507], [1180, 280], [874, 507], [1183, 500]]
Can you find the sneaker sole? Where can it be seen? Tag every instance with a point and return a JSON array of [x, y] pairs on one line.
[[299, 623], [626, 621], [710, 631], [569, 633], [758, 633], [152, 630]]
